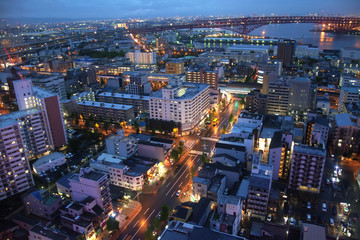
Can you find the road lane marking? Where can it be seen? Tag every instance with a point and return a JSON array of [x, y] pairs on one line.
[[146, 211], [158, 213], [181, 183], [172, 195], [168, 184], [175, 182], [187, 175], [143, 224], [125, 236], [136, 223]]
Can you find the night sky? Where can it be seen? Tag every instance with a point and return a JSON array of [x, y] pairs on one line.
[[106, 9]]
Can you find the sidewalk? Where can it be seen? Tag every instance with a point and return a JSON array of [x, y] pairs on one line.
[[154, 186], [126, 216]]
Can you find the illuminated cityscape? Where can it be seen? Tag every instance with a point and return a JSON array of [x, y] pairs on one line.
[[179, 120]]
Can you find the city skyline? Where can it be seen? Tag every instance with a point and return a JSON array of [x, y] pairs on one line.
[[110, 9]]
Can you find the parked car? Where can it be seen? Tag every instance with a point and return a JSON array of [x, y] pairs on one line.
[[308, 217], [268, 218], [324, 209], [308, 205], [178, 193]]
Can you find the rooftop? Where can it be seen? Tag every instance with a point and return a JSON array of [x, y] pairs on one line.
[[313, 232], [123, 95], [233, 200], [92, 175], [41, 93], [11, 118], [243, 189], [184, 91], [230, 147], [200, 209], [345, 119], [64, 180], [49, 158], [105, 105], [48, 233], [304, 149]]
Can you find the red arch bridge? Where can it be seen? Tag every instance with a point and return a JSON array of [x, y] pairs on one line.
[[245, 25]]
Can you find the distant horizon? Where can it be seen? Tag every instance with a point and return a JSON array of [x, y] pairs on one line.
[[144, 9], [42, 20]]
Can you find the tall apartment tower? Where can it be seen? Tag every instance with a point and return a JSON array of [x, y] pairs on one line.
[[28, 97], [286, 51], [307, 168], [15, 173], [278, 98]]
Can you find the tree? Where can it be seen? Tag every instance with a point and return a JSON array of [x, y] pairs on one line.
[[81, 237], [156, 223], [231, 118], [164, 214], [76, 120], [192, 172], [153, 132], [106, 126], [181, 148], [174, 154], [149, 233], [112, 224], [223, 129], [204, 158]]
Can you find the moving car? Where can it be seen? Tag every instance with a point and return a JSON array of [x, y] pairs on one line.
[[308, 205], [308, 217], [268, 218], [178, 193]]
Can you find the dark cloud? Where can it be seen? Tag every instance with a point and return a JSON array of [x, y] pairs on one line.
[[167, 8]]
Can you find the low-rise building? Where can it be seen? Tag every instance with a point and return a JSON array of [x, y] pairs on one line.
[[41, 203], [90, 183], [140, 103], [120, 174], [42, 233], [228, 215], [107, 112], [48, 162], [120, 145]]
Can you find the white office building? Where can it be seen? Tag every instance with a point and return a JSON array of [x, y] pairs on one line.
[[186, 104]]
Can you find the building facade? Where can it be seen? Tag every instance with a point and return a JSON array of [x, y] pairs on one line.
[[307, 168]]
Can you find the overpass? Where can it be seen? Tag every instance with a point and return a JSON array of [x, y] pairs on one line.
[[245, 25]]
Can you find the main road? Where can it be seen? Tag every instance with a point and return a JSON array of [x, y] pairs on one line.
[[178, 179], [166, 194]]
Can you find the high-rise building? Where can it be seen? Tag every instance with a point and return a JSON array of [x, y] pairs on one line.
[[317, 129], [28, 96], [280, 154], [33, 130], [186, 105], [348, 95], [278, 98], [300, 93], [345, 134], [286, 51], [259, 187], [175, 67], [307, 168], [135, 83], [15, 173], [90, 183], [255, 102], [141, 58], [207, 76], [349, 80]]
